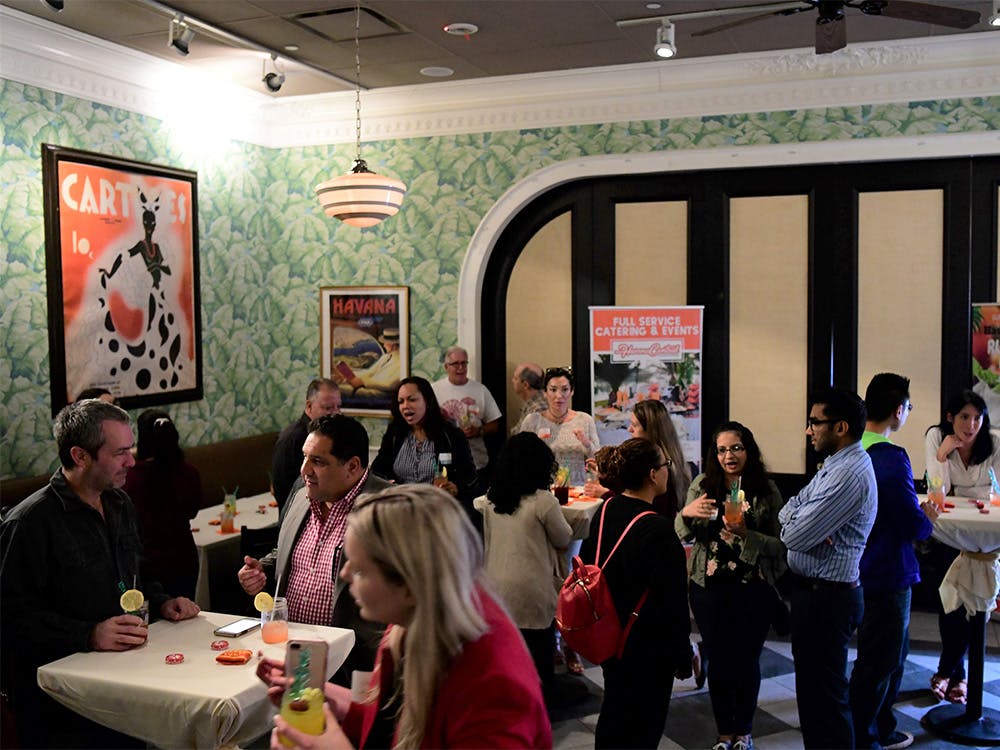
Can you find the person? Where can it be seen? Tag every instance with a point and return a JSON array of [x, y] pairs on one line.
[[322, 399], [637, 685], [452, 669], [102, 393], [420, 446], [651, 420], [468, 405], [572, 435], [67, 553], [888, 569], [824, 528], [382, 377], [735, 565], [527, 384], [961, 449], [525, 534], [311, 537], [166, 492]]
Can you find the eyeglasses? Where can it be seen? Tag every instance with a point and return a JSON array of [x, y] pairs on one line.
[[734, 449], [460, 363], [666, 462], [813, 422], [909, 406]]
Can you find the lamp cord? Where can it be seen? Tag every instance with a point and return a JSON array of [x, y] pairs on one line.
[[357, 78]]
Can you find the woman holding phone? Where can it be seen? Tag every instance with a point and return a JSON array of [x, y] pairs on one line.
[[452, 670]]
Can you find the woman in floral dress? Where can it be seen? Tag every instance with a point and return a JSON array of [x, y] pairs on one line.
[[733, 569]]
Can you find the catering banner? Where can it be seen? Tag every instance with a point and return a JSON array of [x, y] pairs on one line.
[[986, 354], [640, 353]]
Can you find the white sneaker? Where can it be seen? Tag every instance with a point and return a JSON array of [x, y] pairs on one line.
[[897, 741]]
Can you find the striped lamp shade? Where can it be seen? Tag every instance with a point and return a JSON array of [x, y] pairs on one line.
[[361, 198]]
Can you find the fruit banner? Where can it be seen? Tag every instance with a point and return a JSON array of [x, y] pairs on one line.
[[640, 353], [986, 354]]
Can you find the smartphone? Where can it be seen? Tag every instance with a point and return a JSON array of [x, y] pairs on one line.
[[302, 703], [239, 627]]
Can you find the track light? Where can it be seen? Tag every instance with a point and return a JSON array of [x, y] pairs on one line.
[[179, 35], [994, 20], [275, 78], [665, 46], [56, 5]]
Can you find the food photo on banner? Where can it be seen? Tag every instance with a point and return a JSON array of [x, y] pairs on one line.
[[365, 344], [640, 353], [121, 242], [986, 354]]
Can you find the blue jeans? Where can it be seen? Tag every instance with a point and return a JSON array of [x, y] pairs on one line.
[[883, 644], [824, 616]]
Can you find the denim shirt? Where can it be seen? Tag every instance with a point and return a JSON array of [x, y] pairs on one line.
[[62, 568]]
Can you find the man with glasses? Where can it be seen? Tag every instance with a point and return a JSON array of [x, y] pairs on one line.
[[468, 405], [310, 554], [825, 528], [889, 568]]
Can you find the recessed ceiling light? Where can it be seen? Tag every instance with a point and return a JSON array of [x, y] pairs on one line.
[[437, 71], [461, 29], [653, 6], [291, 48]]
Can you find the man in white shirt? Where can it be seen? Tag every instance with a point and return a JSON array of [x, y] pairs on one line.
[[468, 405]]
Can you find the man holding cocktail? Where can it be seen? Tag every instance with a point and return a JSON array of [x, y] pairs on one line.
[[70, 552]]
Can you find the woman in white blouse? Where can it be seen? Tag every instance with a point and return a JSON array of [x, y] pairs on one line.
[[961, 450]]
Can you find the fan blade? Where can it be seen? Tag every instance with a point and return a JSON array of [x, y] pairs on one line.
[[749, 19], [831, 35], [939, 15]]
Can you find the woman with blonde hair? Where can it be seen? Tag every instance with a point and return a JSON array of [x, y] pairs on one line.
[[452, 670]]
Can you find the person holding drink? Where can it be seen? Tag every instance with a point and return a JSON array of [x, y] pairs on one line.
[[421, 447], [69, 552], [961, 450], [732, 516], [452, 670]]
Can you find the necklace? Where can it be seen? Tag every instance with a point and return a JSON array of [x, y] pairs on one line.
[[557, 420]]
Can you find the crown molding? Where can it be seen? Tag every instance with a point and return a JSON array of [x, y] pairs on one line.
[[37, 52]]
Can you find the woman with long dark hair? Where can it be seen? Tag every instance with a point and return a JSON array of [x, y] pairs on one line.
[[166, 492], [420, 447], [637, 685], [525, 533], [961, 449], [734, 566]]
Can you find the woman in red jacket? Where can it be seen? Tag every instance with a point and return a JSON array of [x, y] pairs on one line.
[[452, 670]]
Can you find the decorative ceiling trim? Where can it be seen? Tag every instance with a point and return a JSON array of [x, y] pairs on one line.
[[39, 53]]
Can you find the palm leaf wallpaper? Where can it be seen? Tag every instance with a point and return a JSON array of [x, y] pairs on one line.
[[266, 247]]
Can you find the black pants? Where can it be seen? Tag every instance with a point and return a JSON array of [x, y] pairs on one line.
[[734, 620], [637, 691], [823, 619], [541, 645]]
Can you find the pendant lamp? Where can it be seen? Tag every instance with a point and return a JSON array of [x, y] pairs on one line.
[[360, 198]]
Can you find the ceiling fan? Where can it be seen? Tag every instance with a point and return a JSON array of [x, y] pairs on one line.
[[831, 26]]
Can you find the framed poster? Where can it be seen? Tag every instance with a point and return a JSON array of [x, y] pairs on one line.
[[365, 344], [121, 261]]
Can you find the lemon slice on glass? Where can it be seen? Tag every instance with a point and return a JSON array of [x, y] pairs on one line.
[[131, 600], [263, 602]]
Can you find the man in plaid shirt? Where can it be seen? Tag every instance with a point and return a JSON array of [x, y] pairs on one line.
[[309, 555]]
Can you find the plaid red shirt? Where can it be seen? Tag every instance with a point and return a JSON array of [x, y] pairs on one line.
[[316, 560]]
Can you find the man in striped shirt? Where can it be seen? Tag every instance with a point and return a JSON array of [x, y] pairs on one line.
[[825, 528]]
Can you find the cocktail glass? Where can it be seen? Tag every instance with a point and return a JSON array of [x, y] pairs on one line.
[[274, 623], [935, 491]]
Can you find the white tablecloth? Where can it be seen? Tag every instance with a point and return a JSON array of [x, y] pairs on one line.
[[197, 704], [223, 550], [972, 580], [579, 513]]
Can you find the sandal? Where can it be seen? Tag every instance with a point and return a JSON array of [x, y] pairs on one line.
[[957, 691], [939, 686], [573, 663]]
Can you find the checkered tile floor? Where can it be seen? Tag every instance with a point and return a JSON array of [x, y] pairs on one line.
[[776, 724]]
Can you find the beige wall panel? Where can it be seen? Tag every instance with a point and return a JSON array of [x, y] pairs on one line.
[[539, 309], [769, 263], [651, 253], [900, 246]]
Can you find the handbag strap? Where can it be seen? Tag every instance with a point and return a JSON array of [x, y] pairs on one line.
[[600, 535]]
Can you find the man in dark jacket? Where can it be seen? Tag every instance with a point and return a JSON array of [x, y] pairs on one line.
[[888, 569]]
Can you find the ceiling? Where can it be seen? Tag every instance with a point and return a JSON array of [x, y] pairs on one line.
[[399, 38]]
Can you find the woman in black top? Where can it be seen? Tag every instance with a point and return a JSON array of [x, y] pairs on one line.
[[420, 447], [637, 686]]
